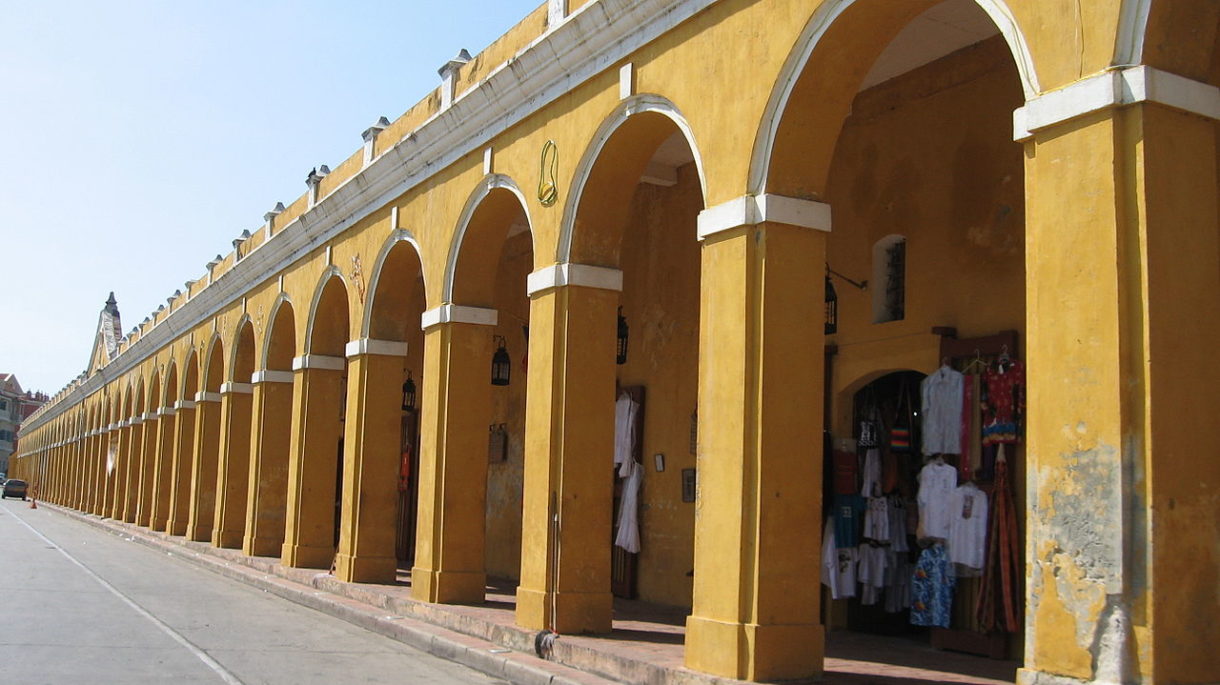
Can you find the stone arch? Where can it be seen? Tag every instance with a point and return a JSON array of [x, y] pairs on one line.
[[213, 365], [1178, 36], [242, 351], [398, 261], [496, 200], [643, 122], [328, 329], [279, 341], [171, 392], [190, 375], [833, 33]]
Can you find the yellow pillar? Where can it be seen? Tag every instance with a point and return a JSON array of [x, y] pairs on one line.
[[163, 468], [180, 474], [372, 450], [1123, 293], [569, 444], [131, 472], [203, 466], [101, 445], [309, 538], [456, 410], [118, 497], [757, 532], [148, 469], [233, 470], [270, 433]]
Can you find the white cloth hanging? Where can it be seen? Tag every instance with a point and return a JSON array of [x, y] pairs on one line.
[[937, 481], [628, 536], [626, 413], [968, 526], [941, 395]]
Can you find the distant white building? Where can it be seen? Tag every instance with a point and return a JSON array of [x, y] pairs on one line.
[[15, 406]]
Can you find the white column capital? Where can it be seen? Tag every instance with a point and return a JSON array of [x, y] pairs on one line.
[[1115, 88], [453, 313], [372, 346], [584, 275], [207, 397], [167, 410], [750, 210], [240, 388], [184, 404], [270, 376], [317, 361]]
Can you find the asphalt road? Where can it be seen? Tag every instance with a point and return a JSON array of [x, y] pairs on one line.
[[81, 606]]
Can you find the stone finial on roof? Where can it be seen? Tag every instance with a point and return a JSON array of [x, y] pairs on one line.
[[212, 264], [378, 126], [277, 210]]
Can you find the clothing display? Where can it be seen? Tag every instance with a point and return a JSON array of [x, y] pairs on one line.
[[847, 516], [872, 473], [1005, 403], [877, 519], [628, 536], [936, 483], [968, 527], [626, 415], [932, 588], [998, 600], [838, 565], [941, 395]]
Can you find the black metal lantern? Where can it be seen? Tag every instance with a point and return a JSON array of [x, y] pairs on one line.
[[501, 365], [622, 337], [408, 394], [832, 307]]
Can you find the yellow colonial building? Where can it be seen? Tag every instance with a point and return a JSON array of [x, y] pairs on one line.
[[788, 212]]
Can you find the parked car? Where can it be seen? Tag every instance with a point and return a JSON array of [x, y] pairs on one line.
[[13, 487]]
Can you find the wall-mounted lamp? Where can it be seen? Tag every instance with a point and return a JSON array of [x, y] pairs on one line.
[[501, 365], [832, 298], [623, 334], [408, 394]]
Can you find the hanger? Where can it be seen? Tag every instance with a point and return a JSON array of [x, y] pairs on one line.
[[976, 363]]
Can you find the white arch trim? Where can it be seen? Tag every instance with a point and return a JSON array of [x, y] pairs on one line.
[[280, 301], [205, 366], [234, 345], [399, 235], [330, 272], [821, 21], [488, 184], [636, 104], [1132, 29]]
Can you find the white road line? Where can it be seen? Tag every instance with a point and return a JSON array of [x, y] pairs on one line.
[[208, 661]]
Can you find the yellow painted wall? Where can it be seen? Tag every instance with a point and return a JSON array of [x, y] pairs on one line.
[[660, 262]]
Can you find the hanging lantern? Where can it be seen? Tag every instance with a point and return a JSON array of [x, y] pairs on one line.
[[622, 337], [832, 307], [408, 394], [500, 363]]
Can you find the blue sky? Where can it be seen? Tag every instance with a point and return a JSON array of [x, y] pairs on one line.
[[138, 138]]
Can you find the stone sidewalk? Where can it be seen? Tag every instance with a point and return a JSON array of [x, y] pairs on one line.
[[645, 646]]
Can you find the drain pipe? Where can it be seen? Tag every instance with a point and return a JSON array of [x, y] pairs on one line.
[[544, 641]]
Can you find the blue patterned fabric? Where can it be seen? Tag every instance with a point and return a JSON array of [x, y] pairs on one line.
[[932, 588]]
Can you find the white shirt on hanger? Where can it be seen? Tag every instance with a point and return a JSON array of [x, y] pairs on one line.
[[941, 395], [968, 526], [628, 536], [937, 481], [626, 411]]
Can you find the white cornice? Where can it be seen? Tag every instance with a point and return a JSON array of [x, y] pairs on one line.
[[749, 210], [383, 348], [1115, 88], [452, 313], [591, 40], [584, 275]]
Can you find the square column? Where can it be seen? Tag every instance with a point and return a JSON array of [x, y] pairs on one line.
[[180, 476], [569, 450], [203, 467], [233, 467], [451, 529], [371, 453], [270, 433], [118, 477], [162, 469], [148, 468], [316, 430], [1123, 293], [757, 513], [131, 478]]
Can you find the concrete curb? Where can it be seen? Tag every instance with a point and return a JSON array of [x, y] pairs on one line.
[[495, 659]]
